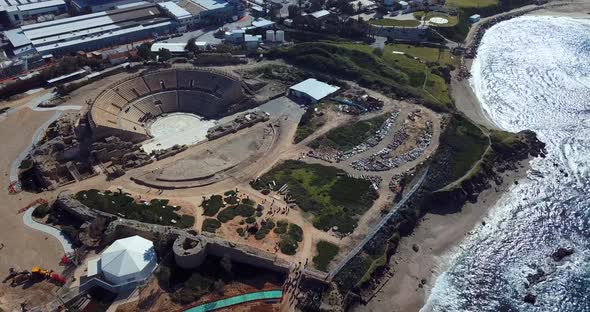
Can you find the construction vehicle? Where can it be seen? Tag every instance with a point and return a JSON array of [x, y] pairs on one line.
[[36, 274], [41, 274]]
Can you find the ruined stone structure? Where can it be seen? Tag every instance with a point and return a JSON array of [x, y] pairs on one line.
[[58, 158], [240, 122], [189, 249]]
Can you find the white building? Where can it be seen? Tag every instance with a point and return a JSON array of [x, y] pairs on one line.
[[16, 12], [312, 90], [182, 17], [126, 262], [173, 47]]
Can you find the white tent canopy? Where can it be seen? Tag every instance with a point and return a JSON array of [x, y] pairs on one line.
[[128, 259]]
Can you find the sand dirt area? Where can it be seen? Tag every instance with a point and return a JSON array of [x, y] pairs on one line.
[[437, 237], [22, 248]]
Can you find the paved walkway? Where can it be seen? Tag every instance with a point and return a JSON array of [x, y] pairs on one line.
[[28, 221], [59, 111]]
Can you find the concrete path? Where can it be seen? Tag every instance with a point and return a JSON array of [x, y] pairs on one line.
[[59, 111], [28, 221]]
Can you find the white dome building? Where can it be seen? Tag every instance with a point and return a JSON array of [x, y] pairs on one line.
[[127, 260]]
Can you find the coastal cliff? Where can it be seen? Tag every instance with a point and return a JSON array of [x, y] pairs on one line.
[[450, 184], [505, 153]]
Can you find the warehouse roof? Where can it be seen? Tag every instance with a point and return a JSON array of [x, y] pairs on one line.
[[211, 4], [40, 5], [174, 9], [314, 88], [17, 38]]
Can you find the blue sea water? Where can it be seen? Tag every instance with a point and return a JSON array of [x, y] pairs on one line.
[[531, 72]]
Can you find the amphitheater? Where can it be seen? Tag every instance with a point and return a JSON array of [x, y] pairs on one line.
[[163, 108], [128, 107]]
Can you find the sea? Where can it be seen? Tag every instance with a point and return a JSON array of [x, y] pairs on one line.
[[531, 72]]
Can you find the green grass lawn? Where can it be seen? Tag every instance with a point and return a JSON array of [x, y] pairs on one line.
[[416, 69], [384, 71], [157, 211], [326, 252], [471, 3], [332, 197], [467, 144], [346, 137], [424, 53], [394, 22]]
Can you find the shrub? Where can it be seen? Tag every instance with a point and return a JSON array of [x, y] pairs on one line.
[[281, 227], [232, 199], [25, 164], [264, 229], [41, 211], [265, 192], [231, 212], [240, 231], [258, 214], [288, 246], [295, 232], [250, 220], [212, 205], [326, 251], [249, 202], [211, 225], [186, 221]]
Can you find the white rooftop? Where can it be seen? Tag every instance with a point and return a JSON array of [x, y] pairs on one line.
[[211, 4], [13, 5], [315, 89], [261, 22], [127, 256], [320, 13], [17, 38], [177, 11], [40, 5], [170, 46]]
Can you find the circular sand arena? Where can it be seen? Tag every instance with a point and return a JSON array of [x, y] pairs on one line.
[[177, 128], [438, 20]]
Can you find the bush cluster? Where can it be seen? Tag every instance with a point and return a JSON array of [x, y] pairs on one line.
[[212, 205], [157, 211], [231, 212], [211, 225]]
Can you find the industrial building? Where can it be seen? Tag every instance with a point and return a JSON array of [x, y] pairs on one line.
[[182, 17], [211, 11], [92, 6], [124, 263], [14, 12], [91, 31], [312, 90]]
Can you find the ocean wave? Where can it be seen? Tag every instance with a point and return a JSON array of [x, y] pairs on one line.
[[531, 73]]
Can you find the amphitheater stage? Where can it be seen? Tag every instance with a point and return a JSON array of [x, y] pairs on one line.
[[210, 161], [177, 128]]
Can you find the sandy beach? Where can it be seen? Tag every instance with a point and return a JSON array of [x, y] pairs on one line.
[[439, 236]]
